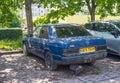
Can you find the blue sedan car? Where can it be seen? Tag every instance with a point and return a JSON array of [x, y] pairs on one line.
[[65, 44]]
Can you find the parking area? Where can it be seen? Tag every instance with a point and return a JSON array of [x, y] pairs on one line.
[[17, 68]]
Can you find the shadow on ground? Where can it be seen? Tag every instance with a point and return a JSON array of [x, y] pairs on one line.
[[19, 68]]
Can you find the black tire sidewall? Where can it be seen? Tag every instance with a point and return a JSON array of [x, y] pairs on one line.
[[53, 65], [91, 63], [25, 50]]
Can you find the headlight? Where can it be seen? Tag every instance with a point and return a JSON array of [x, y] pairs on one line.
[[71, 51]]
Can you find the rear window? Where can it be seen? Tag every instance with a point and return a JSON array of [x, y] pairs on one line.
[[117, 24], [93, 26], [71, 31]]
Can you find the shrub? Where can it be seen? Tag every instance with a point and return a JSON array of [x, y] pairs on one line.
[[11, 45], [10, 33]]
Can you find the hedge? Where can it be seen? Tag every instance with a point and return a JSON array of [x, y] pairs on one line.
[[10, 33]]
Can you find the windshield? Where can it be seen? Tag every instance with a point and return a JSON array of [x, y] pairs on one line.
[[71, 31], [117, 23]]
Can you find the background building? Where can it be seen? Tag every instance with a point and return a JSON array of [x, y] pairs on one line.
[[36, 11]]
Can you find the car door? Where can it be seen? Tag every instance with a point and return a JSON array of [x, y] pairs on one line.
[[43, 39], [34, 40], [111, 34]]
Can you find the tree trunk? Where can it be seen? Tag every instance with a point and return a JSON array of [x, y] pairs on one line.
[[29, 16], [92, 15], [91, 7]]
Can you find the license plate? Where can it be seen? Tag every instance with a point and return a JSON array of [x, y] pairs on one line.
[[88, 49]]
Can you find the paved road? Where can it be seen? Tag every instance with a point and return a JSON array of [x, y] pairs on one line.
[[17, 68]]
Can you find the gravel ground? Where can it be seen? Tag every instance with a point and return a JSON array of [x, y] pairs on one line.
[[17, 68]]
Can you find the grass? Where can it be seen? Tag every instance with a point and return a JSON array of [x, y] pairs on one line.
[[81, 19], [11, 44]]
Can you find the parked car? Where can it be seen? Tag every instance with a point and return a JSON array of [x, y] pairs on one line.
[[109, 30], [65, 44]]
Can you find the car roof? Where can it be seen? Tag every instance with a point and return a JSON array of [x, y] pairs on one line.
[[59, 25], [107, 21], [112, 21], [98, 22]]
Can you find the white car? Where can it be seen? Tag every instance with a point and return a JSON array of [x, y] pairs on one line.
[[109, 30]]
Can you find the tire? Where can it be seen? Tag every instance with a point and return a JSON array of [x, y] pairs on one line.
[[91, 63], [25, 50], [50, 64]]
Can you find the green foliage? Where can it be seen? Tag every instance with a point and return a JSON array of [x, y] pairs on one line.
[[15, 23], [64, 8], [40, 20], [9, 11], [11, 44], [48, 19], [118, 7], [24, 33], [61, 9], [10, 34], [11, 38], [106, 8]]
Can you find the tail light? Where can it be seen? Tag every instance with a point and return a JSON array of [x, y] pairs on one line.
[[70, 51]]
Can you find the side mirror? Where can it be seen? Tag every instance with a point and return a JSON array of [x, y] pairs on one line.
[[29, 35]]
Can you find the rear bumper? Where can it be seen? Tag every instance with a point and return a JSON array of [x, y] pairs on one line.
[[114, 52], [83, 58]]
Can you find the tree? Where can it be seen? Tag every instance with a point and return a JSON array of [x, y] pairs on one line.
[[40, 20], [29, 16], [118, 7], [8, 11], [63, 8], [91, 7], [15, 23]]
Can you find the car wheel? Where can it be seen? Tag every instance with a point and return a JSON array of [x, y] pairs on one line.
[[50, 64], [91, 63], [25, 50]]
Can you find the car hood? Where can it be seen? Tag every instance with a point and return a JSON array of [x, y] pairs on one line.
[[84, 41]]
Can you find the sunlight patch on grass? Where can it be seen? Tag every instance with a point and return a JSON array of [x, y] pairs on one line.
[[81, 19], [11, 45]]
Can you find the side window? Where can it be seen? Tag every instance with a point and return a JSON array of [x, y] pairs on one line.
[[107, 27], [95, 26], [111, 28], [37, 32], [44, 33], [103, 27]]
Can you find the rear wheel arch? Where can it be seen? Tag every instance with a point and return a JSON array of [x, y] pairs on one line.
[[23, 42], [25, 50], [45, 51], [49, 62]]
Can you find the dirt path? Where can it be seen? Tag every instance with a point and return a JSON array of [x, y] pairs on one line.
[[16, 68]]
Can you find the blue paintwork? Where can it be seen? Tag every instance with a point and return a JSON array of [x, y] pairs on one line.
[[56, 45]]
